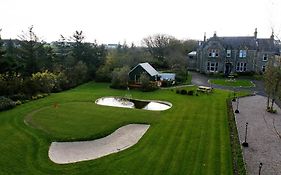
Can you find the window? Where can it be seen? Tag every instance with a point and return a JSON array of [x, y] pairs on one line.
[[213, 53], [263, 68], [212, 66], [228, 53], [242, 53], [265, 57], [241, 67]]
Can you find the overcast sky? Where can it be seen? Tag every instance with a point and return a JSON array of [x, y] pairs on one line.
[[113, 21]]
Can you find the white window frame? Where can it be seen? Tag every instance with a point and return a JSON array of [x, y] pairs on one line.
[[212, 66], [241, 67], [228, 53], [242, 53], [213, 53], [265, 57]]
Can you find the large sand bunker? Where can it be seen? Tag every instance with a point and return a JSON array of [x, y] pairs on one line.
[[121, 139]]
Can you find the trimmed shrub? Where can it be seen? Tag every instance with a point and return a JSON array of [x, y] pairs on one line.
[[190, 92], [166, 83], [6, 103], [183, 92]]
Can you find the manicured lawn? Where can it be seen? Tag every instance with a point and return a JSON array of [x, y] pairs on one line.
[[190, 138], [235, 83]]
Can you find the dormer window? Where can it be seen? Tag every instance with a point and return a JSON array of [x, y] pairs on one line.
[[228, 53], [242, 54], [213, 53], [265, 57]]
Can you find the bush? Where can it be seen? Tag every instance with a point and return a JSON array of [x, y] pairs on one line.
[[45, 80], [10, 83], [61, 82], [146, 84], [190, 92], [166, 83], [177, 91], [6, 103], [17, 97], [151, 87], [30, 87], [183, 92], [103, 74], [18, 102], [120, 78]]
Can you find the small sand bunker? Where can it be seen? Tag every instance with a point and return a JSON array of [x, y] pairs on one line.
[[121, 139], [156, 106]]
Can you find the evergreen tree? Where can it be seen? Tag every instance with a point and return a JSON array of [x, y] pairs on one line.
[[2, 58], [29, 51]]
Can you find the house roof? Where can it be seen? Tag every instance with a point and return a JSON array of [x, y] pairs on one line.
[[266, 44], [148, 68], [248, 42], [239, 42]]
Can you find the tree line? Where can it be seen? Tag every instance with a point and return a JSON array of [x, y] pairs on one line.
[[30, 66]]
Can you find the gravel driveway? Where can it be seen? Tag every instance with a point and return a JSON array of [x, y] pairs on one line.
[[264, 135]]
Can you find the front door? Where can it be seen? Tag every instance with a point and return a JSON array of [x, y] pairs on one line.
[[228, 67]]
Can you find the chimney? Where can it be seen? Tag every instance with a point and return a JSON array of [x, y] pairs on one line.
[[256, 33], [215, 34], [272, 35], [205, 37]]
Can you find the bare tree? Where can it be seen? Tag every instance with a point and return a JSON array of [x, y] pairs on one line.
[[272, 80]]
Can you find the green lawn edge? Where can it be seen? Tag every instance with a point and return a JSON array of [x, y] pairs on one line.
[[236, 83]]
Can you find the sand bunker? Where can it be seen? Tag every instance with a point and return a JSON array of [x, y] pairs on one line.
[[151, 105], [121, 139]]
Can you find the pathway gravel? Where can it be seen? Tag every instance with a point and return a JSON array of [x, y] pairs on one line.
[[264, 135]]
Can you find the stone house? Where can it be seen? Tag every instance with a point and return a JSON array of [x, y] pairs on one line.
[[235, 54]]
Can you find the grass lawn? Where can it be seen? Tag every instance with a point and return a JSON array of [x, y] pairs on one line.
[[190, 138], [234, 83]]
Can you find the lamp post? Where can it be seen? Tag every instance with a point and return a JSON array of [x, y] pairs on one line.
[[237, 103], [260, 166], [245, 144]]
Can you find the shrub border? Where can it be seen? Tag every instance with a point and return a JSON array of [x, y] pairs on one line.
[[239, 167]]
